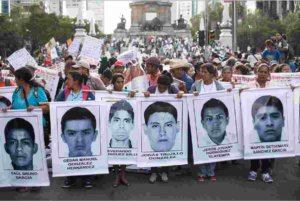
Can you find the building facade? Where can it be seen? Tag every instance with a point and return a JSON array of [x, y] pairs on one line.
[[276, 8]]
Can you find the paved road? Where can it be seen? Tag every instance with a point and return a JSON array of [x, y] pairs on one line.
[[231, 184]]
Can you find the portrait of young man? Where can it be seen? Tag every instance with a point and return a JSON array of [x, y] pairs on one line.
[[121, 124], [4, 102], [20, 143], [161, 126], [78, 127], [268, 119], [214, 120]]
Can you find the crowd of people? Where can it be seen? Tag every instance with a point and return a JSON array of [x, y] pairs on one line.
[[178, 68]]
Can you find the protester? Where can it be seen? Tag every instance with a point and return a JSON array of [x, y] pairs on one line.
[[106, 77], [93, 82], [226, 74], [164, 86], [262, 81], [76, 91], [178, 68], [153, 68], [28, 95], [207, 84], [118, 67], [271, 53]]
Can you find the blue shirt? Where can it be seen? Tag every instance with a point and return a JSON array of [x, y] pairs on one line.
[[275, 55], [188, 81], [34, 98], [75, 97]]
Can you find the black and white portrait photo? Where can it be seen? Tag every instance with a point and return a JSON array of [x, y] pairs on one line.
[[78, 131], [162, 127], [20, 143], [216, 127], [23, 149], [215, 119], [268, 119], [4, 102], [121, 124], [268, 123], [78, 138]]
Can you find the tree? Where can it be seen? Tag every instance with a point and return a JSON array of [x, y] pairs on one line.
[[292, 26], [255, 29], [195, 23]]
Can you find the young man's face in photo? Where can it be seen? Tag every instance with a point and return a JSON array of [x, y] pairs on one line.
[[161, 131], [20, 148], [79, 136], [215, 122], [268, 123], [121, 125]]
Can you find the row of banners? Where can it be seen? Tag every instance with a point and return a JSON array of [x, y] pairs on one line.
[[148, 132]]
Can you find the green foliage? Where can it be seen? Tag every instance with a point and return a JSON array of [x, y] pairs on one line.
[[195, 24], [255, 29], [32, 26], [291, 24]]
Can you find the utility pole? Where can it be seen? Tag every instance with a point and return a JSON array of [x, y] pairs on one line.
[[234, 26], [206, 23]]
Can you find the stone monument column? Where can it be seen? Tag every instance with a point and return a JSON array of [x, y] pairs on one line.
[[80, 31], [226, 26]]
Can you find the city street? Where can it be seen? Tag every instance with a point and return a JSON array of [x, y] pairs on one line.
[[231, 184]]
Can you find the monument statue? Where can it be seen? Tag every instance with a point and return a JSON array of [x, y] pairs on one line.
[[121, 25], [153, 25], [181, 23]]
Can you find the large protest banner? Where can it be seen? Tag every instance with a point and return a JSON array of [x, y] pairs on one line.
[[216, 127], [91, 50], [6, 96], [51, 77], [163, 133], [78, 138], [123, 125], [297, 119], [19, 59], [22, 150], [268, 123]]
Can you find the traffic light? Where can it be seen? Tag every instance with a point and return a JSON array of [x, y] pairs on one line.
[[201, 38]]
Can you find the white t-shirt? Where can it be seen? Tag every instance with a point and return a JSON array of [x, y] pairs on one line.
[[208, 88]]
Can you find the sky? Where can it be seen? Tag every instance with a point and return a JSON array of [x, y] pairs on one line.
[[113, 10]]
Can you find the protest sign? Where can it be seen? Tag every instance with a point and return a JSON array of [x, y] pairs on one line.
[[163, 131], [20, 58], [216, 127], [127, 56], [91, 50], [25, 164], [123, 127], [74, 47], [78, 138], [51, 77], [6, 96], [268, 123]]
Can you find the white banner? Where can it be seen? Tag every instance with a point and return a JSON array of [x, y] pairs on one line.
[[19, 59], [216, 127], [268, 123], [297, 120], [163, 134], [22, 154], [51, 77], [123, 126], [91, 50], [6, 96], [78, 138]]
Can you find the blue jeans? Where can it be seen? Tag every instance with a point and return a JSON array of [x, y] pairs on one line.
[[207, 169]]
